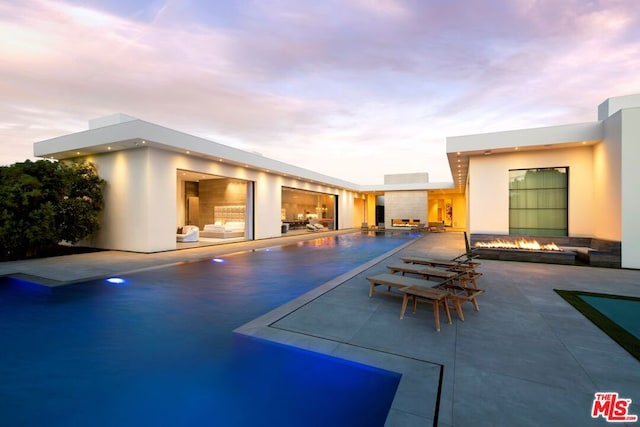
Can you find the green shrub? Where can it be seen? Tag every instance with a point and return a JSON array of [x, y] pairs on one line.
[[43, 203]]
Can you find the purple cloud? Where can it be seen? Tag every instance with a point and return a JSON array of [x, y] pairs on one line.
[[280, 77]]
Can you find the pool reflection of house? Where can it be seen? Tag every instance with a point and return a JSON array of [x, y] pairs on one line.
[[575, 181]]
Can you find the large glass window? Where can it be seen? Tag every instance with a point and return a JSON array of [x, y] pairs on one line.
[[219, 206], [538, 200], [302, 207]]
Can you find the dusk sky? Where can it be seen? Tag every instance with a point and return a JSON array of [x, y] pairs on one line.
[[353, 89]]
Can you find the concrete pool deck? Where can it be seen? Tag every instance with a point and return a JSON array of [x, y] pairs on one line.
[[526, 358]]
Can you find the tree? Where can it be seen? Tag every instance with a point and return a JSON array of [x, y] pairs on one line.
[[43, 203]]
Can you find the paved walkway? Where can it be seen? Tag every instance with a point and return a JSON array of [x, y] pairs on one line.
[[527, 358]]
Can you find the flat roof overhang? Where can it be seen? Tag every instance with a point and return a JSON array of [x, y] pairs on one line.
[[137, 133], [421, 186], [461, 148]]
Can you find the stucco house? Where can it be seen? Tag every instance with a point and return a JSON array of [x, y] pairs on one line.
[[160, 180], [575, 182]]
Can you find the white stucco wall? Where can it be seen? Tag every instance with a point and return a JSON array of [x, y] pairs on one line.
[[630, 172], [142, 203], [268, 205], [612, 105], [489, 187], [607, 208], [489, 195], [161, 189], [346, 209], [134, 197]]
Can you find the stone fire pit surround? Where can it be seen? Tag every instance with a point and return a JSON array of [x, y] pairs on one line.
[[575, 250]]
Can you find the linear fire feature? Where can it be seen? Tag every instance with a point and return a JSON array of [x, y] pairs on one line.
[[523, 249], [527, 255], [570, 250], [530, 245]]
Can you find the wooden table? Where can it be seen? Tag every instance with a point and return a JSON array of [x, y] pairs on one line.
[[436, 296]]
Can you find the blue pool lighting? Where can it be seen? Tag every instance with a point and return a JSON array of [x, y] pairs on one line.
[[116, 281], [217, 260]]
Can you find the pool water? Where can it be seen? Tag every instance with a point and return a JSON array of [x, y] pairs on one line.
[[158, 348], [624, 312]]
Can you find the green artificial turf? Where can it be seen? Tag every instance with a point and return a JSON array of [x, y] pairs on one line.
[[618, 333]]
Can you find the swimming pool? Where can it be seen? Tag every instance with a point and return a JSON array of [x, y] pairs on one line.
[[158, 348], [624, 311]]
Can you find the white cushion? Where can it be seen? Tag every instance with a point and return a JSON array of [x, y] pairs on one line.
[[214, 227]]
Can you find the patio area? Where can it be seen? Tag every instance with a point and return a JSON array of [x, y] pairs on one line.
[[526, 358]]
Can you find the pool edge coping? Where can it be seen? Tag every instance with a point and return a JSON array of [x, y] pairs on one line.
[[262, 327]]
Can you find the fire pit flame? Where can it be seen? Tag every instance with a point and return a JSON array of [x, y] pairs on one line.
[[531, 245]]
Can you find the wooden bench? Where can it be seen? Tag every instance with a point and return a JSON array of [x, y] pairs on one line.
[[468, 277], [395, 281], [429, 261], [436, 297], [460, 294], [414, 288], [425, 272], [450, 264]]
